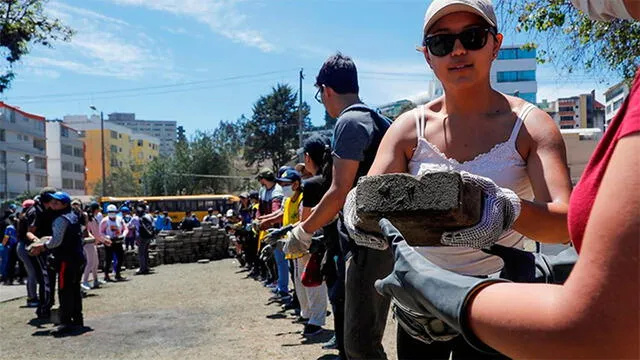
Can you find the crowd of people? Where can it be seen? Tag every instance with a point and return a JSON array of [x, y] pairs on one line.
[[465, 300], [55, 239]]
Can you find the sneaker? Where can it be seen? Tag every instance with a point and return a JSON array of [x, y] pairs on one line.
[[289, 306], [311, 330], [121, 278], [331, 344], [101, 282], [96, 285], [85, 286], [32, 303]]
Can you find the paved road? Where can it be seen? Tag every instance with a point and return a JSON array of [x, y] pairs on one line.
[[12, 292], [184, 311]]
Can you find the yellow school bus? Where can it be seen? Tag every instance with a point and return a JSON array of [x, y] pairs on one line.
[[177, 205]]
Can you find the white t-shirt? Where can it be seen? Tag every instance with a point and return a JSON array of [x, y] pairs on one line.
[[112, 228]]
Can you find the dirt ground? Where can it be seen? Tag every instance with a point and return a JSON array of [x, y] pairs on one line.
[[184, 311]]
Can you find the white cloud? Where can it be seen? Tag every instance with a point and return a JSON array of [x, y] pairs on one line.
[[221, 16], [102, 46]]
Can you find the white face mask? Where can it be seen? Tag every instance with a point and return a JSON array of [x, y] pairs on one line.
[[603, 10], [112, 216], [287, 191]]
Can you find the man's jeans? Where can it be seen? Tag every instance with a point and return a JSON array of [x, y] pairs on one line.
[[283, 270], [365, 310], [143, 254]]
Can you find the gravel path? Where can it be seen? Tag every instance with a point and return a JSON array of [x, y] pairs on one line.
[[184, 311]]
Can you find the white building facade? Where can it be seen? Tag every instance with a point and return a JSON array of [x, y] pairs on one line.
[[514, 73], [23, 160], [65, 158], [614, 97]]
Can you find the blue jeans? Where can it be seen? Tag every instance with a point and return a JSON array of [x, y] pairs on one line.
[[283, 270], [4, 258], [32, 272]]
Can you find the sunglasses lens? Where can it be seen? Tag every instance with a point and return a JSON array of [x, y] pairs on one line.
[[440, 45], [474, 39]]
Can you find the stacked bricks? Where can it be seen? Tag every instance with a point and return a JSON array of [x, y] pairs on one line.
[[205, 242], [176, 246], [422, 208]]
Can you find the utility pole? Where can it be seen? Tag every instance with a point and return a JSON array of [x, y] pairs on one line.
[[27, 160], [300, 119], [104, 169]]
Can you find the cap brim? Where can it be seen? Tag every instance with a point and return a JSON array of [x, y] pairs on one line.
[[284, 180], [453, 8]]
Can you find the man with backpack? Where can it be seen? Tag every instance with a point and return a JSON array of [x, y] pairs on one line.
[[146, 234], [356, 138]]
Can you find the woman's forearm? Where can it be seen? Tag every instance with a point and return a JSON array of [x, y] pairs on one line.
[[545, 223]]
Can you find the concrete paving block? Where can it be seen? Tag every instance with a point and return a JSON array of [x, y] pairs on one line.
[[422, 208]]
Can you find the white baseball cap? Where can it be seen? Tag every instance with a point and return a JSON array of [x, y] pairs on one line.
[[440, 8]]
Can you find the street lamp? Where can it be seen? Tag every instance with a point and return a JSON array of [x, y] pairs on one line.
[[104, 171], [27, 160]]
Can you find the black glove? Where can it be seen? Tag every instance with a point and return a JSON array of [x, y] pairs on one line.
[[424, 288]]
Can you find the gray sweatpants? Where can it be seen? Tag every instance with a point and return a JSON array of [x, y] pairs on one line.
[[365, 310]]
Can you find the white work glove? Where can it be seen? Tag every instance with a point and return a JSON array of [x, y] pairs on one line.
[[299, 241], [501, 208], [351, 218]]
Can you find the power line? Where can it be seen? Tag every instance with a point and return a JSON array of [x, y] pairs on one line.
[[231, 78]]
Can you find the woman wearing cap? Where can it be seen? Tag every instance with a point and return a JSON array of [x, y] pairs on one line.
[[499, 141], [94, 217], [66, 245], [594, 314]]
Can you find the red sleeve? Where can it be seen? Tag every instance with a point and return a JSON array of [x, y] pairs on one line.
[[631, 122]]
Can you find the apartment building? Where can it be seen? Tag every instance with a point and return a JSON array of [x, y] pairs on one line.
[[65, 158], [165, 130], [614, 97], [514, 73], [23, 160]]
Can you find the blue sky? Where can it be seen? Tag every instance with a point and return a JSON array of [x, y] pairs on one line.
[[202, 61]]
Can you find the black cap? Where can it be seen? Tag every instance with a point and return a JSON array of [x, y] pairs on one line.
[[266, 174]]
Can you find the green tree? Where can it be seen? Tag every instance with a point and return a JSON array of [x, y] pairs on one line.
[[208, 160], [567, 38], [329, 122], [23, 23], [120, 182], [272, 133]]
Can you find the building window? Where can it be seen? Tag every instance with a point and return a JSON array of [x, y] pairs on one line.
[[530, 97], [566, 118], [39, 144], [78, 168], [114, 149], [67, 150], [119, 136], [3, 157], [67, 183], [41, 181], [516, 76], [67, 166], [3, 135], [78, 152], [617, 104], [140, 142], [566, 126], [114, 162], [64, 132], [614, 93], [79, 185], [40, 162], [114, 134], [512, 54], [565, 108], [119, 149], [12, 116]]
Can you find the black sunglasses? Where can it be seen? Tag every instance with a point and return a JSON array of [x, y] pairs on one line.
[[319, 94], [472, 39]]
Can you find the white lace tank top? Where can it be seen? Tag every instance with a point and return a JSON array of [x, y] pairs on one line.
[[503, 164]]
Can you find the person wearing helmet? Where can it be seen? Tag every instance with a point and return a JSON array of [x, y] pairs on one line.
[[211, 218], [40, 218], [113, 231], [133, 223], [66, 245]]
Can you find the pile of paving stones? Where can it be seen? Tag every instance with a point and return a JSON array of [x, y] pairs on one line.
[[177, 246]]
